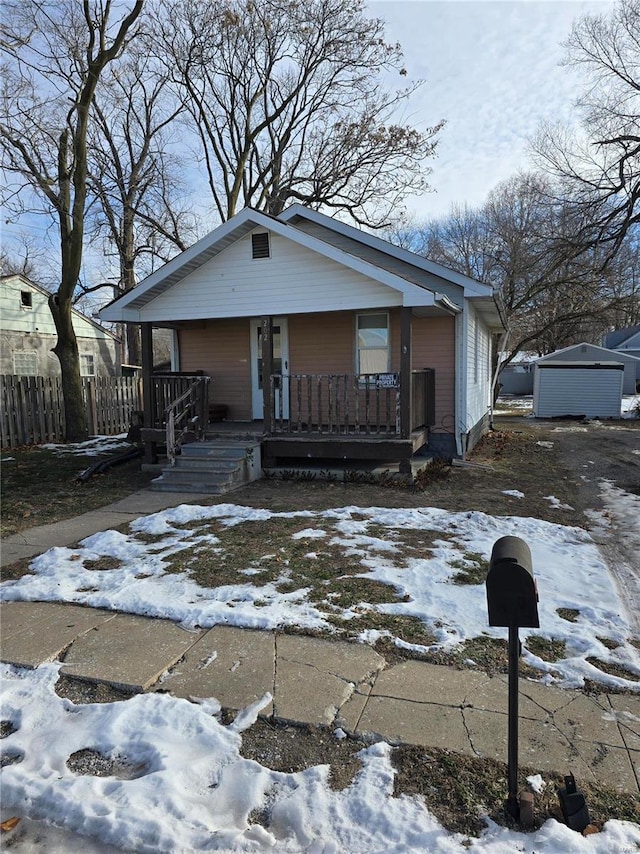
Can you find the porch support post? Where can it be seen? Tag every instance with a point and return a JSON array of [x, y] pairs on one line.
[[405, 373], [148, 397], [267, 370]]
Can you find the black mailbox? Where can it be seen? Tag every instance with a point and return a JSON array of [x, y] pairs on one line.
[[512, 596]]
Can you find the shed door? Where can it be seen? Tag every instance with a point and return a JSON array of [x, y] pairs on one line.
[[280, 366], [591, 391]]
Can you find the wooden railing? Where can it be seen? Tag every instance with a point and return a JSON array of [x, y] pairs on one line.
[[336, 404], [186, 414], [347, 404]]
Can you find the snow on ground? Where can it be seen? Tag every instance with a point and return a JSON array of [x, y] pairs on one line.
[[629, 409], [93, 447], [181, 785], [141, 582], [179, 781]]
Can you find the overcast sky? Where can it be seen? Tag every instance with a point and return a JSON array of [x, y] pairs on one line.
[[492, 71]]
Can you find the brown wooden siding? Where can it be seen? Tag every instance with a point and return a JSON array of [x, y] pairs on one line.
[[433, 346], [220, 348]]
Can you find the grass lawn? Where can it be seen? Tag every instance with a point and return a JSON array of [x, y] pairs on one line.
[[40, 486]]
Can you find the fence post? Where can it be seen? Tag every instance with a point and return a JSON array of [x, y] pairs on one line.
[[92, 411]]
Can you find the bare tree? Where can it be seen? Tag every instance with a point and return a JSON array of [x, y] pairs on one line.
[[131, 171], [55, 53], [523, 242], [597, 165], [289, 102]]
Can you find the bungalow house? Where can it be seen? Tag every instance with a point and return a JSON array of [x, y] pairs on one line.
[[332, 342], [28, 334]]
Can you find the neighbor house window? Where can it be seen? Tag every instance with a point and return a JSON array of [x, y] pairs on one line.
[[87, 365], [25, 363], [372, 344], [26, 299], [260, 245]]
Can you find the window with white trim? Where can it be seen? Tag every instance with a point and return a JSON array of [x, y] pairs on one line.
[[87, 365], [25, 363], [372, 343], [26, 299]]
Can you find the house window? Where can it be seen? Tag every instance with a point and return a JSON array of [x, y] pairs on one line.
[[260, 245], [25, 363], [87, 365], [372, 345], [26, 299]]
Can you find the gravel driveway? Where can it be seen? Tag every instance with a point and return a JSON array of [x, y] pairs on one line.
[[605, 459]]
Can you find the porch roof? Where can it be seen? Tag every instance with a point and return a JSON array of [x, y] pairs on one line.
[[131, 306]]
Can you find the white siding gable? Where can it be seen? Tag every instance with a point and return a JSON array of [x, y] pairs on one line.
[[293, 280], [14, 317]]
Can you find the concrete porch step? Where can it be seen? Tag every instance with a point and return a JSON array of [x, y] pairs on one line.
[[214, 466]]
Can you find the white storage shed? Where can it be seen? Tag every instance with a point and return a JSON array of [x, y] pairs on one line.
[[592, 389], [593, 354]]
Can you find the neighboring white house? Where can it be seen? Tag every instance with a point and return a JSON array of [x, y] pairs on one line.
[[626, 342], [28, 334]]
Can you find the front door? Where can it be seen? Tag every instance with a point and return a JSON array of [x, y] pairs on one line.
[[280, 366]]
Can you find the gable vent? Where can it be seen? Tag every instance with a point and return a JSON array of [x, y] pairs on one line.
[[260, 245]]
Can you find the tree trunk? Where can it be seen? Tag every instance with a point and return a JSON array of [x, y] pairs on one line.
[[128, 281], [66, 349]]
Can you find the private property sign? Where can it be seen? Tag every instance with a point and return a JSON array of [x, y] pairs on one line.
[[387, 381]]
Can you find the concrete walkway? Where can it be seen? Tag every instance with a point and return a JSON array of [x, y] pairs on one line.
[[596, 737]]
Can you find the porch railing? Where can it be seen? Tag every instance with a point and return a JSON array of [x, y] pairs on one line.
[[336, 404], [185, 414], [347, 404]]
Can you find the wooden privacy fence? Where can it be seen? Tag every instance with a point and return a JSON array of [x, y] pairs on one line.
[[32, 409]]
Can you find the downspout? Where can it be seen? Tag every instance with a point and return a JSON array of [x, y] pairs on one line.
[[501, 349], [460, 377]]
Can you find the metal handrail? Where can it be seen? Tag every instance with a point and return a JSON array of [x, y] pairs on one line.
[[189, 416]]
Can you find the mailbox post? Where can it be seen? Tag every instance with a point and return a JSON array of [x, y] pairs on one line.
[[512, 600]]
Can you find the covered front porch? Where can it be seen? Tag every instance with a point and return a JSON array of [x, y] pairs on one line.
[[380, 417]]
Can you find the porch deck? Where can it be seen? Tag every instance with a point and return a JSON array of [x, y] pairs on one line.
[[338, 417]]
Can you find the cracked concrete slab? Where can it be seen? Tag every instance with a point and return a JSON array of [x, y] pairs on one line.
[[546, 696], [236, 666], [34, 632], [420, 682], [426, 724], [586, 719], [625, 710], [315, 678], [128, 651], [493, 696], [543, 747]]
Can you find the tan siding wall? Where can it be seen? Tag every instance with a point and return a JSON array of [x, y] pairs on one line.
[[220, 348], [322, 343], [433, 346]]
